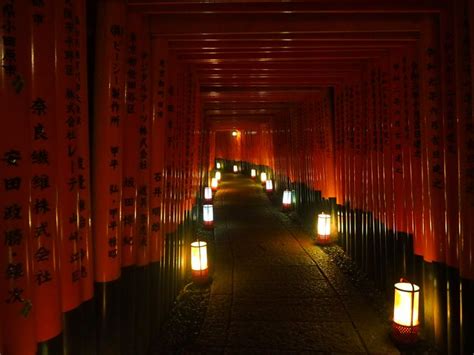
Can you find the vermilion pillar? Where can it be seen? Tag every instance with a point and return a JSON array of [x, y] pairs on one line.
[[68, 111], [158, 144], [433, 142], [131, 124], [107, 140], [83, 160], [44, 176], [107, 165], [16, 159]]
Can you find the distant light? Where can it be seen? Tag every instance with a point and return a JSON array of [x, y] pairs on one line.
[[287, 199], [263, 177], [269, 185], [234, 133], [208, 193], [208, 216], [218, 175], [324, 228], [253, 173], [218, 165], [214, 184], [236, 169]]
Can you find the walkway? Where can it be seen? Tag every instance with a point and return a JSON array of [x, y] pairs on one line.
[[274, 291]]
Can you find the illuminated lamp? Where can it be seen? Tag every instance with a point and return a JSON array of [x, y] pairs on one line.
[[405, 326], [199, 266], [218, 165], [214, 184], [236, 169], [253, 173], [208, 216], [234, 133], [338, 222], [324, 229], [218, 175], [269, 185], [207, 193], [287, 200], [263, 177]]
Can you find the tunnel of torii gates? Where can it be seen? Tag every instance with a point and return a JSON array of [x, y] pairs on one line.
[[113, 115]]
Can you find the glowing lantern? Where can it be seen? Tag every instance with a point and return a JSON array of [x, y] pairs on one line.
[[207, 193], [214, 183], [263, 177], [218, 176], [324, 228], [338, 221], [218, 165], [405, 324], [199, 266], [234, 133], [286, 199], [269, 185], [208, 216], [236, 169], [253, 173]]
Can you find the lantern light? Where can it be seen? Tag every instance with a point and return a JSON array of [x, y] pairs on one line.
[[236, 169], [208, 216], [269, 185], [234, 133], [218, 175], [286, 199], [218, 165], [405, 326], [263, 177], [324, 228], [214, 184], [208, 193], [338, 221], [199, 265], [253, 173]]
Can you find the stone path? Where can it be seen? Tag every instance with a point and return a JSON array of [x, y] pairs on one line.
[[274, 291]]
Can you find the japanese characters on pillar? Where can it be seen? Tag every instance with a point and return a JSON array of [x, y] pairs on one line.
[[369, 141], [358, 159], [388, 190], [373, 140], [349, 147], [433, 142], [364, 141], [43, 179], [131, 130], [187, 147], [107, 141], [466, 142], [329, 148], [397, 107], [70, 165], [197, 167], [143, 180], [379, 137], [170, 180], [448, 94], [158, 142], [83, 159], [16, 158], [406, 121], [414, 126], [180, 139]]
